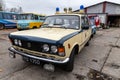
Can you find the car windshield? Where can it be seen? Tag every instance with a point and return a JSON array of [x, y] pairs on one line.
[[62, 21]]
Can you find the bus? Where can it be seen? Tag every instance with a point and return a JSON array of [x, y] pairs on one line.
[[8, 19], [30, 21]]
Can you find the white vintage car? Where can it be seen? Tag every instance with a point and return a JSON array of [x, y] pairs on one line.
[[57, 41]]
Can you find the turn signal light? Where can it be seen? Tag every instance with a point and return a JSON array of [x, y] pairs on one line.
[[61, 49]]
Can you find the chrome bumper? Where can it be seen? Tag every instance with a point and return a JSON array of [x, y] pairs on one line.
[[11, 49]]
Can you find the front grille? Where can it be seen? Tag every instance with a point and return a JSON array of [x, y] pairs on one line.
[[35, 46]]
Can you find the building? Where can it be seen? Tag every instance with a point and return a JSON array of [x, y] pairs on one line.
[[108, 12]]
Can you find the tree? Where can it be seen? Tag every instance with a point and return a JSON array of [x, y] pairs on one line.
[[2, 5], [20, 10], [14, 9]]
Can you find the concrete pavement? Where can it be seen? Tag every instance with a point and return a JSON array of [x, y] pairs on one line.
[[98, 61]]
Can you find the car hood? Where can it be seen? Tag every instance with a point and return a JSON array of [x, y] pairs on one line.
[[46, 33]]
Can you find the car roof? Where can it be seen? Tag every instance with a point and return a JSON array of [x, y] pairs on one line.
[[69, 14]]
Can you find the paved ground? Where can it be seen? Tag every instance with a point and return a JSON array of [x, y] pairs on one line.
[[99, 61]]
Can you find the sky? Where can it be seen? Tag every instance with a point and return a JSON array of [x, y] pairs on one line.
[[48, 7]]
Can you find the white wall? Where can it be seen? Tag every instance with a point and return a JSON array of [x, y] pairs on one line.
[[95, 9], [102, 18], [112, 8]]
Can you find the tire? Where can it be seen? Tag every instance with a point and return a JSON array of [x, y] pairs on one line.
[[34, 27], [19, 30], [2, 26], [95, 32], [92, 35], [87, 44], [70, 65]]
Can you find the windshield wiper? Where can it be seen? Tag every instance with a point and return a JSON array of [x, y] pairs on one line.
[[63, 26], [57, 24], [46, 26]]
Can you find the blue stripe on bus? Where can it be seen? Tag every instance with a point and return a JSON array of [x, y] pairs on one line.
[[6, 22]]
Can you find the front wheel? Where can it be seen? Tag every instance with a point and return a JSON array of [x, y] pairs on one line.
[[1, 26], [70, 65], [19, 29]]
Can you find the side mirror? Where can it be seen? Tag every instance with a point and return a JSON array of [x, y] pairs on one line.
[[85, 27]]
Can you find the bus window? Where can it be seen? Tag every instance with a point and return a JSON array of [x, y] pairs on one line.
[[23, 17], [29, 17], [42, 18], [17, 16], [1, 16], [32, 17], [36, 17], [7, 16], [14, 17]]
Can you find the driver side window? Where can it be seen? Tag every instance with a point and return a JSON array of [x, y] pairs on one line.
[[84, 21]]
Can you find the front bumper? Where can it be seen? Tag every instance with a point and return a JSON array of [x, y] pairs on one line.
[[11, 49]]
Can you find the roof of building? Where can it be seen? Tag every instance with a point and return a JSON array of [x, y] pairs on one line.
[[98, 4], [102, 3]]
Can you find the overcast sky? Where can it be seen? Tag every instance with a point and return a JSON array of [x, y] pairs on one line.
[[49, 6]]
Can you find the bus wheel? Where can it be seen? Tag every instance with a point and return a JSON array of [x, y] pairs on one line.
[[34, 27], [1, 26]]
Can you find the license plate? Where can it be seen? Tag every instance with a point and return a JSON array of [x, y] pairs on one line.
[[34, 61]]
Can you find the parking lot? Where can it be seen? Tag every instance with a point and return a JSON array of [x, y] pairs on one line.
[[98, 61]]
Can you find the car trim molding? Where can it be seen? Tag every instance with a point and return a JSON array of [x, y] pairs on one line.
[[37, 39], [61, 41], [11, 49]]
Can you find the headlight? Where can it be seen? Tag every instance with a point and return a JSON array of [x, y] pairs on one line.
[[54, 49], [19, 43], [16, 41], [45, 47]]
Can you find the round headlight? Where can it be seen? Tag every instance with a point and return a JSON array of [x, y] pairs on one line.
[[45, 47], [16, 42], [54, 49], [19, 43]]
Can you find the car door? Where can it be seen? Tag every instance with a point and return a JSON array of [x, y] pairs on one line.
[[86, 32]]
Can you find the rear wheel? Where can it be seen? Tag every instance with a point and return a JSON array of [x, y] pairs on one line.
[[19, 29], [92, 35], [87, 44], [70, 65], [2, 26], [34, 27]]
